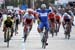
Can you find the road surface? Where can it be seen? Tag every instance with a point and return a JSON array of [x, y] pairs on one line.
[[33, 41]]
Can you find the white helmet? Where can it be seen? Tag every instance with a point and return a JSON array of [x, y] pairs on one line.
[[43, 6], [9, 16]]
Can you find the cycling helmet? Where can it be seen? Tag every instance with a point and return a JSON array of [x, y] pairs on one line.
[[9, 16], [43, 6]]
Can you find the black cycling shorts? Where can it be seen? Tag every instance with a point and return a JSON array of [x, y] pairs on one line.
[[52, 20], [58, 21], [67, 20]]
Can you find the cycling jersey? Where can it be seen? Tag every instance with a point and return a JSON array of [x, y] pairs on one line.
[[66, 16], [17, 16], [43, 15], [28, 18], [8, 23], [57, 16], [51, 16]]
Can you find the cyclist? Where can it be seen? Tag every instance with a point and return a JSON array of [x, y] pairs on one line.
[[66, 18], [52, 19], [13, 22], [58, 17], [17, 21], [7, 23], [28, 20], [72, 15], [43, 18]]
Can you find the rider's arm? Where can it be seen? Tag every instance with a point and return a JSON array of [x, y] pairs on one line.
[[72, 15], [4, 23], [63, 16], [32, 20], [12, 24], [38, 11], [49, 17], [4, 26], [24, 18]]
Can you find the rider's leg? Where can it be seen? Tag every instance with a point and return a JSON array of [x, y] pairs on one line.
[[30, 27], [59, 26], [40, 29], [25, 32], [5, 36], [16, 27], [4, 30], [63, 24], [47, 29], [46, 33], [12, 31], [17, 22], [70, 28]]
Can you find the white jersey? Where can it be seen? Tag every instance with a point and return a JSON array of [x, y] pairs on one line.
[[17, 17], [28, 16], [66, 15]]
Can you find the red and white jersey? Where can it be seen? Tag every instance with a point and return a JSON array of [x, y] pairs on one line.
[[58, 16], [28, 18], [66, 16]]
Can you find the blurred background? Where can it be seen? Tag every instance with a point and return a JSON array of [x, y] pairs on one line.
[[34, 3]]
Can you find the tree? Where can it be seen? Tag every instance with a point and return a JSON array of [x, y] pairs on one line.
[[39, 2]]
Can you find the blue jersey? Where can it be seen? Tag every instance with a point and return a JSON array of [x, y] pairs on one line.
[[43, 15]]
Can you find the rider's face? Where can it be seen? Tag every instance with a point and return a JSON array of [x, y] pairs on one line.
[[43, 8], [8, 18], [29, 12]]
